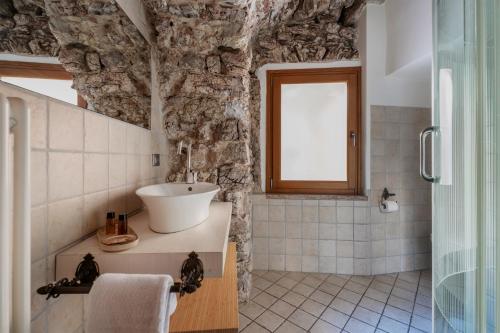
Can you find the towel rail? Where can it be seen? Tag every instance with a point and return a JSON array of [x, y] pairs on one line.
[[88, 270]]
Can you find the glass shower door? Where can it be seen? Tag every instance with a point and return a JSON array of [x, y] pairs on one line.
[[464, 168]]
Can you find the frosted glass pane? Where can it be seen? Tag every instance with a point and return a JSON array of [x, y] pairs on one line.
[[314, 131], [445, 128]]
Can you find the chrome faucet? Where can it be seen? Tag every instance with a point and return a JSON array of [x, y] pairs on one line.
[[191, 176]]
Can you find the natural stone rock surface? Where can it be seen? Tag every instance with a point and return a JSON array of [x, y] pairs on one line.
[[108, 57], [24, 28], [208, 54], [95, 41]]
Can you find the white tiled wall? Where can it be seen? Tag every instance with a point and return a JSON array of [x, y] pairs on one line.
[[353, 236], [83, 164]]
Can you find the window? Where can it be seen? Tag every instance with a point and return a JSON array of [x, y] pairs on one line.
[[313, 131], [47, 79]]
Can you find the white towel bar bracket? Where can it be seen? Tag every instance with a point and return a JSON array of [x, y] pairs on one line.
[[88, 270]]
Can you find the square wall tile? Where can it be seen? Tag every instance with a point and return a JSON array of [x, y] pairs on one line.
[[310, 263], [277, 246], [277, 229], [293, 263], [133, 169], [310, 213], [293, 213], [310, 247], [145, 167], [277, 212], [118, 200], [310, 230], [293, 230], [327, 248], [327, 214], [134, 140], [65, 127], [345, 214], [65, 175], [66, 315], [117, 136], [261, 261], [327, 264], [260, 212], [38, 233], [65, 223], [95, 209], [117, 170], [327, 231], [38, 178], [38, 278], [345, 265], [260, 229], [294, 246], [276, 262], [96, 132], [38, 108], [260, 245], [95, 172]]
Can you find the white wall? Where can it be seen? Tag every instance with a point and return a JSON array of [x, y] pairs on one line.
[[383, 89], [411, 84], [409, 33]]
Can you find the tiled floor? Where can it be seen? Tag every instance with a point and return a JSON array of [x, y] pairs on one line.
[[289, 302]]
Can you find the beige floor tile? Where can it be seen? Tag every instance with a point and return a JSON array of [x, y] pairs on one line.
[[312, 307], [269, 320], [335, 317], [288, 327], [282, 308], [323, 327], [265, 300], [303, 289], [356, 326], [255, 328], [343, 306], [302, 319], [293, 298]]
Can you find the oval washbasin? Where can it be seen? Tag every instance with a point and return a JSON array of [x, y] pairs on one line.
[[177, 206]]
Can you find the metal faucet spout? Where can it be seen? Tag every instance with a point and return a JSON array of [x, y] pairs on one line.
[[191, 177]]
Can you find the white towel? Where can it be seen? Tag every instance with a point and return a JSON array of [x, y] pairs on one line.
[[130, 303]]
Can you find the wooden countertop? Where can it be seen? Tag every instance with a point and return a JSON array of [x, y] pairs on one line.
[[214, 307]]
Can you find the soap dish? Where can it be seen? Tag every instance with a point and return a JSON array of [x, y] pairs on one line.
[[117, 243]]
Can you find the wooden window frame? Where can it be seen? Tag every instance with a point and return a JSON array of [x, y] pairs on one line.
[[275, 78], [38, 70]]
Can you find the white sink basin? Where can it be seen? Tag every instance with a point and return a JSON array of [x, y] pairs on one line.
[[177, 206]]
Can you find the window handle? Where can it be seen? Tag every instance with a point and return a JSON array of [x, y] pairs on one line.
[[353, 137]]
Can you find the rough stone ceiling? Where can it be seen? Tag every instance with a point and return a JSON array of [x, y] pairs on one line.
[[95, 41], [110, 60]]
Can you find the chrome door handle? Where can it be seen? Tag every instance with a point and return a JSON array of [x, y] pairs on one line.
[[353, 136], [423, 136]]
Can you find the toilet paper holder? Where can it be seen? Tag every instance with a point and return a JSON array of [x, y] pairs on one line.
[[386, 195]]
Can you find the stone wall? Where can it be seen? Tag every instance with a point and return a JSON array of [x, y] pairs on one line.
[[107, 55], [208, 54], [95, 41], [24, 29], [303, 33]]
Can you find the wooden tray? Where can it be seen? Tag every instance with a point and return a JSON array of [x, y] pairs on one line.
[[116, 243]]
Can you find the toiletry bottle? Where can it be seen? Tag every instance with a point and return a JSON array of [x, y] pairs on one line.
[[122, 224], [110, 223]]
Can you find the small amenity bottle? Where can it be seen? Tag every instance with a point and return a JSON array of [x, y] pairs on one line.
[[110, 223], [122, 224]]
